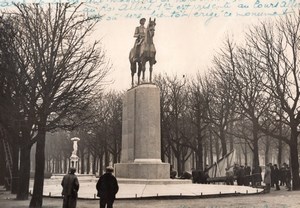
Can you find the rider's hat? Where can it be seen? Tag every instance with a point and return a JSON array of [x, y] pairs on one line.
[[143, 19]]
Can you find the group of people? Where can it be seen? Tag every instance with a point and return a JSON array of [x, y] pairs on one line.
[[273, 176], [107, 188]]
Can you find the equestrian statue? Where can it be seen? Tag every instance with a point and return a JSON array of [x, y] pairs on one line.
[[143, 50]]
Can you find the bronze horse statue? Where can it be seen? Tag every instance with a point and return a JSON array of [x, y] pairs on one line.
[[147, 53]]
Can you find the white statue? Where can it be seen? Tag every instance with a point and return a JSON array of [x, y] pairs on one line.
[[75, 146]]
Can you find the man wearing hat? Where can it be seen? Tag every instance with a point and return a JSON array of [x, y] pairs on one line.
[[107, 187], [70, 186]]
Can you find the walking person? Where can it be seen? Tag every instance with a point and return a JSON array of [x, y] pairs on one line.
[[247, 175], [267, 178], [107, 187], [282, 175], [272, 175], [288, 177], [70, 186], [276, 174], [229, 176]]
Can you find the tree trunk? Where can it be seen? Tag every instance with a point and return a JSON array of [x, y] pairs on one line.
[[231, 137], [205, 157], [170, 155], [182, 163], [223, 142], [246, 154], [65, 165], [217, 148], [24, 175], [295, 158], [279, 156], [162, 154], [82, 162], [15, 169], [88, 163], [179, 167], [255, 144], [199, 155], [38, 187], [106, 157], [211, 148], [2, 163], [94, 158], [267, 150], [101, 165]]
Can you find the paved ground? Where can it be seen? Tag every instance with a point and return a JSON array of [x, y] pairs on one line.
[[140, 188], [281, 199], [275, 199]]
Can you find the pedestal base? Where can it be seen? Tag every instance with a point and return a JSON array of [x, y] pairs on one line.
[[143, 170]]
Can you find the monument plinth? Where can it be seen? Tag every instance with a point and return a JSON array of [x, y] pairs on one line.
[[141, 143]]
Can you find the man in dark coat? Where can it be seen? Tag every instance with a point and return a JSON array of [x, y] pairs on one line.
[[288, 177], [272, 174], [282, 175], [247, 175], [240, 175], [276, 175], [70, 186], [107, 187]]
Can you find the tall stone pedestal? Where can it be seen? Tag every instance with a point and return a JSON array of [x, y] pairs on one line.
[[141, 144]]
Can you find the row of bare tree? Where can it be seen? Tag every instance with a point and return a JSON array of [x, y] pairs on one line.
[[50, 74]]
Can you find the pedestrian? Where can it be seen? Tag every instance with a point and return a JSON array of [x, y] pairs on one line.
[[195, 175], [276, 175], [229, 176], [107, 187], [206, 174], [267, 178], [282, 175], [272, 175], [240, 176], [288, 177], [247, 175], [70, 186], [255, 176]]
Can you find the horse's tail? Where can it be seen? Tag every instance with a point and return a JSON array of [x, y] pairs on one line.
[[131, 55]]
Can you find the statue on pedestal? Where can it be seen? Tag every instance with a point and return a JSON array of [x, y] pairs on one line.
[[74, 158], [75, 146], [143, 50]]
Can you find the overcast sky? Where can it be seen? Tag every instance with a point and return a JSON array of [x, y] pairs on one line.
[[184, 45], [188, 33]]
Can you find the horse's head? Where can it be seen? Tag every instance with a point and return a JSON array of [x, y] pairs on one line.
[[151, 27]]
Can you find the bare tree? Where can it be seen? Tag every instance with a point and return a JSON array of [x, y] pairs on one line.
[[161, 82], [199, 98], [277, 45], [222, 104], [177, 118], [247, 80], [61, 74]]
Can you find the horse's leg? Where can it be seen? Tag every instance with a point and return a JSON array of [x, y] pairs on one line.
[[133, 71], [139, 71], [150, 70], [144, 69], [132, 82]]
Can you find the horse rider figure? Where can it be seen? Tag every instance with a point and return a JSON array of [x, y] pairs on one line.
[[139, 34]]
